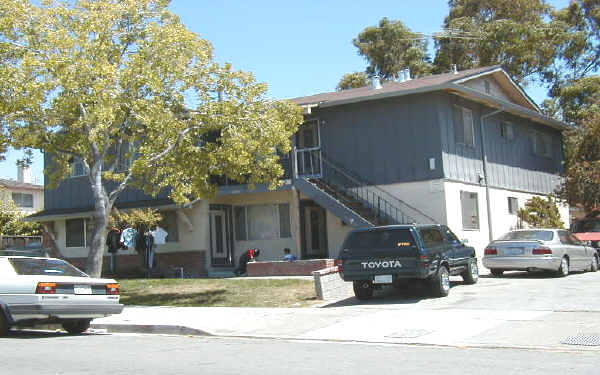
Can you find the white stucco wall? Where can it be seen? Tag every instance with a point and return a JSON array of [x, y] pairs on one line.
[[427, 196], [336, 233]]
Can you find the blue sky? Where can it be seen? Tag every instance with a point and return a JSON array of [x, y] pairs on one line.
[[298, 48]]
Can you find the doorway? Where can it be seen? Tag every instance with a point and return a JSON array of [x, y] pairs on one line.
[[220, 249], [313, 229]]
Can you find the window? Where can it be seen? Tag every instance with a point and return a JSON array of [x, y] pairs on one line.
[[262, 222], [528, 235], [542, 144], [23, 199], [463, 126], [486, 85], [513, 205], [77, 168], [432, 237], [79, 232], [507, 131], [169, 224], [450, 236], [470, 210]]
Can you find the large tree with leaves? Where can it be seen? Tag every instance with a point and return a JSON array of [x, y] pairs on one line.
[[517, 34], [125, 89], [391, 47], [353, 81]]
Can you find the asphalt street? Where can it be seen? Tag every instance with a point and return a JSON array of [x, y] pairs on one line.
[[29, 353]]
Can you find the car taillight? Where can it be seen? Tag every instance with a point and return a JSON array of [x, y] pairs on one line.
[[541, 251], [340, 265], [113, 289], [490, 251], [46, 288]]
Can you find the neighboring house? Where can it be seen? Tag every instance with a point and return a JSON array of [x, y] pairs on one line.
[[28, 197], [465, 149]]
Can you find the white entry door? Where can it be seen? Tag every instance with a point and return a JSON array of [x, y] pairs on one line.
[[219, 246]]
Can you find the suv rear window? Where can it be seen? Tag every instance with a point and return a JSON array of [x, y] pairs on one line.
[[380, 239], [48, 267]]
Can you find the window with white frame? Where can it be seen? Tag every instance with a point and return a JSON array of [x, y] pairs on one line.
[[79, 232], [507, 130], [23, 199], [77, 168], [463, 126], [470, 210], [262, 222], [513, 205], [542, 144]]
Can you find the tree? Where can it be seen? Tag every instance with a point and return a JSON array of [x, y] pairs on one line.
[[353, 81], [581, 185], [391, 47], [123, 89], [11, 219], [514, 33], [541, 213]]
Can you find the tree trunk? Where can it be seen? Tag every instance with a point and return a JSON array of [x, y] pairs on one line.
[[102, 209], [49, 241]]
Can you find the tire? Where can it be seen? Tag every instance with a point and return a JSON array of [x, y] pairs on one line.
[[594, 266], [440, 283], [496, 272], [563, 269], [3, 325], [471, 274], [77, 326], [363, 289]]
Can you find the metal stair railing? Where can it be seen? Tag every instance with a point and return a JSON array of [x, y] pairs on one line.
[[386, 207]]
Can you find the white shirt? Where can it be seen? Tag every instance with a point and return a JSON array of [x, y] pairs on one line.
[[159, 236]]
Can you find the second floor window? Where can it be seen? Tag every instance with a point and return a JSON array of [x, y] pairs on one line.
[[463, 126], [77, 168], [23, 199], [507, 131], [542, 144]]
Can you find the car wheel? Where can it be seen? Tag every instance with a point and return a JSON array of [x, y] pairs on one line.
[[77, 326], [496, 272], [594, 266], [563, 270], [363, 289], [440, 284], [3, 324], [471, 274]]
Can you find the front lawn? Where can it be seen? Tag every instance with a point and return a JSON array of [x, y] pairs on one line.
[[218, 292]]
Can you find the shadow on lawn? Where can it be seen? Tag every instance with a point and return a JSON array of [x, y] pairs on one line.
[[207, 298]]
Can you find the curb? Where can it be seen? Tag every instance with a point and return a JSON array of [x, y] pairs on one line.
[[150, 329]]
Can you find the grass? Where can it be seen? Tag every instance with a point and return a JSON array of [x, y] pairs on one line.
[[218, 292]]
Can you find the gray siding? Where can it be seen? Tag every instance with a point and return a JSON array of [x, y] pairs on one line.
[[385, 141], [512, 164]]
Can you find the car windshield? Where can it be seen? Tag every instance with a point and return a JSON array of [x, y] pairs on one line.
[[587, 226], [380, 239], [54, 267], [525, 235]]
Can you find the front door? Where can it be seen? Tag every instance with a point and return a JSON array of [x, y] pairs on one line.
[[314, 227], [219, 246]]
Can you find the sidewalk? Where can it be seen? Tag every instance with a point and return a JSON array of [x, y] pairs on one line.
[[453, 327]]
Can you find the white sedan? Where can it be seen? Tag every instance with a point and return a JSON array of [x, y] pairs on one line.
[[47, 290]]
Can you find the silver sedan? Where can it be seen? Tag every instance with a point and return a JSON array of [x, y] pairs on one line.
[[539, 249]]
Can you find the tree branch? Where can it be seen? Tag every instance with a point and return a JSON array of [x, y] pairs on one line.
[[172, 145]]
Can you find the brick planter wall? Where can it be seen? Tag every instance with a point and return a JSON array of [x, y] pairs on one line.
[[330, 286], [131, 265], [281, 268]]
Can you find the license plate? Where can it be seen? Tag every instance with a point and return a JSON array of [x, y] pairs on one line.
[[383, 279], [518, 251], [82, 289]]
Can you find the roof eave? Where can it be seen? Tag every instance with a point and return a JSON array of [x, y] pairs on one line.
[[385, 95]]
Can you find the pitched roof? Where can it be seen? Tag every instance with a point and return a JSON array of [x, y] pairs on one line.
[[12, 184], [389, 87]]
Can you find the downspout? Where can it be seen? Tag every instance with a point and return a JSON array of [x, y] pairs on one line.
[[485, 170]]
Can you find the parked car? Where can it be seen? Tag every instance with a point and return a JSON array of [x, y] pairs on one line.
[[35, 290], [539, 249], [588, 229], [372, 257]]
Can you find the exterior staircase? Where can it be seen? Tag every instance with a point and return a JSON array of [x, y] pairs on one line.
[[356, 202]]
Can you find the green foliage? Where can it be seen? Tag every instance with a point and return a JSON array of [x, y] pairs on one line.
[[514, 33], [353, 81], [135, 218], [125, 87], [541, 213], [579, 99], [581, 185], [11, 219], [391, 47]]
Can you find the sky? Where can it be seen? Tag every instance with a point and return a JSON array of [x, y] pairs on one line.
[[298, 48]]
